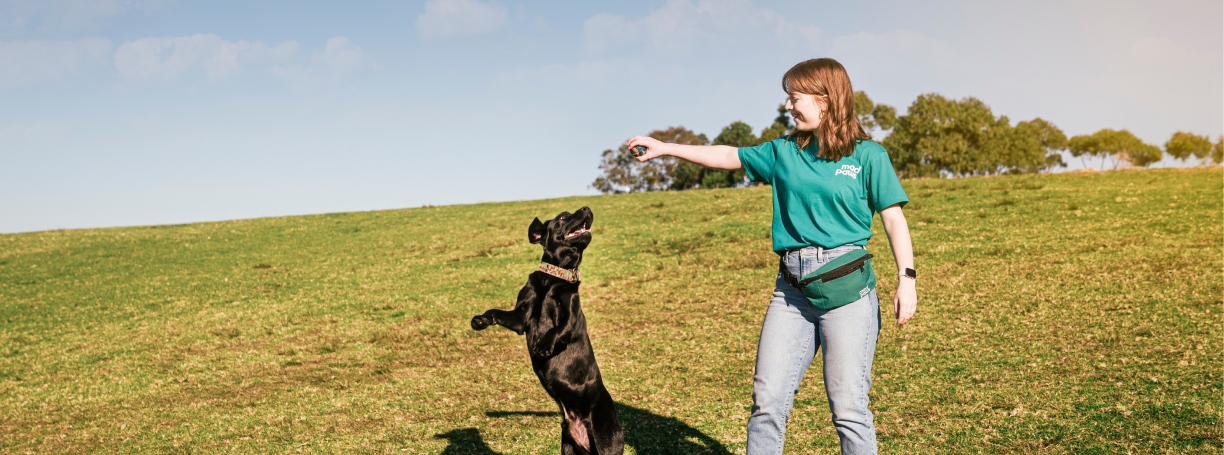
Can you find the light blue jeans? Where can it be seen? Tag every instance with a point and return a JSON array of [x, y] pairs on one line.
[[790, 336]]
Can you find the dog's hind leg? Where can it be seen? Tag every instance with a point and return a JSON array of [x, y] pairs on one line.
[[568, 446], [606, 433], [574, 431]]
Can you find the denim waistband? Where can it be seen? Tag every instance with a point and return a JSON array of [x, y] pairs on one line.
[[819, 252]]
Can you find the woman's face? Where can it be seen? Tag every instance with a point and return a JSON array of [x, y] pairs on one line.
[[806, 109]]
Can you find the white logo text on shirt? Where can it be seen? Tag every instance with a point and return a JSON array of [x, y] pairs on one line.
[[849, 170]]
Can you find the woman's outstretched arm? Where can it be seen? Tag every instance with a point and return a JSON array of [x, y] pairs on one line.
[[723, 157], [905, 301]]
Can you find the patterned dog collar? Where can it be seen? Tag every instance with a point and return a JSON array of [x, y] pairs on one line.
[[572, 276]]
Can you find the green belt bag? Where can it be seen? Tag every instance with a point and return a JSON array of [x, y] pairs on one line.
[[843, 280]]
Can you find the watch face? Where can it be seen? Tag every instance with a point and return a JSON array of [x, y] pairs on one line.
[[911, 273]]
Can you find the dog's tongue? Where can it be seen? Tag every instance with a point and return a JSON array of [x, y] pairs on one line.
[[579, 232]]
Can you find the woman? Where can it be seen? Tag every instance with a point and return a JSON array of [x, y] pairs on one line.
[[827, 178]]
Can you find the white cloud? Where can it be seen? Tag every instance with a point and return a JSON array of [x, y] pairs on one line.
[[444, 18], [339, 58], [67, 15], [25, 63], [168, 58], [682, 25]]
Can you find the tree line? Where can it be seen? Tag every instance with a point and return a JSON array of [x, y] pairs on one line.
[[937, 137]]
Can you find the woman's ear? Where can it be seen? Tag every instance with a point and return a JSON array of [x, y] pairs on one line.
[[537, 231]]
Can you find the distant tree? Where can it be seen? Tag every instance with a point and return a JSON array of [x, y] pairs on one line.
[[873, 115], [779, 127], [1144, 154], [1183, 145], [1217, 150], [1014, 149], [1120, 145], [862, 108], [684, 175], [1050, 138], [942, 136], [737, 134], [680, 135], [783, 119], [623, 173], [884, 116]]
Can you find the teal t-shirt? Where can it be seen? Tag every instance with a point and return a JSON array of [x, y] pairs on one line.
[[818, 202]]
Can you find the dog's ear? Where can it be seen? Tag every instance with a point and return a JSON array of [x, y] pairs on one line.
[[537, 231]]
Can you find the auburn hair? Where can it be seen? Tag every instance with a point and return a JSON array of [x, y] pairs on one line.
[[839, 129]]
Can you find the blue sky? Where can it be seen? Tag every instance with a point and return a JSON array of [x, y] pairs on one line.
[[131, 112]]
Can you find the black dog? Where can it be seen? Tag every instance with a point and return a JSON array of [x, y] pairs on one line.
[[549, 312]]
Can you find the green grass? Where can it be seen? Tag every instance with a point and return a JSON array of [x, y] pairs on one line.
[[1068, 313]]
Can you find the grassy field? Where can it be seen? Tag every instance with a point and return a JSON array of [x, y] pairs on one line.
[[1067, 313]]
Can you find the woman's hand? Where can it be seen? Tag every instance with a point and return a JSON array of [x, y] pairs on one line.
[[712, 156], [654, 147], [905, 300]]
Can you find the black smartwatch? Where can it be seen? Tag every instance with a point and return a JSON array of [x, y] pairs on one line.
[[910, 273]]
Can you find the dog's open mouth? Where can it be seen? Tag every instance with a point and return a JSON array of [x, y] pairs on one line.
[[578, 232]]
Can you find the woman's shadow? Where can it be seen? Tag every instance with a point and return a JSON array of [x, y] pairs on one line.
[[646, 432]]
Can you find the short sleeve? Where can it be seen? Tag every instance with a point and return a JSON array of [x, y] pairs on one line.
[[759, 161], [883, 187]]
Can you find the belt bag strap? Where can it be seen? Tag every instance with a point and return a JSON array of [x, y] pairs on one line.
[[843, 280]]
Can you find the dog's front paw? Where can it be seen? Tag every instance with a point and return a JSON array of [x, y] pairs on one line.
[[546, 350], [480, 322], [540, 354]]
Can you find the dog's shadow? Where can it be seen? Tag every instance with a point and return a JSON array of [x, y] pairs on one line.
[[466, 441], [646, 432]]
